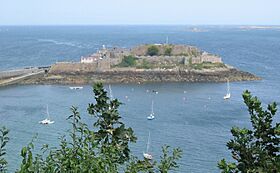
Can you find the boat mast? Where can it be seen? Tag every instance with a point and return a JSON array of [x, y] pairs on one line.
[[148, 143], [48, 112], [110, 92], [152, 107], [228, 86]]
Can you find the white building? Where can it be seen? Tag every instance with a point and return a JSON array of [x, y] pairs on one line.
[[91, 59]]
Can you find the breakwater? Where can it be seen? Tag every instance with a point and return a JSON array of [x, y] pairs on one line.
[[16, 76]]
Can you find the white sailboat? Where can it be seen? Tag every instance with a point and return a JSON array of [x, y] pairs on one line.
[[152, 114], [227, 96], [146, 154], [47, 120]]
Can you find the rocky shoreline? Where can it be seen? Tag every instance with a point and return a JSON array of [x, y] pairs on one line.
[[144, 76]]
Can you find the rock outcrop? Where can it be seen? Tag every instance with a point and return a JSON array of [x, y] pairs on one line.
[[142, 76]]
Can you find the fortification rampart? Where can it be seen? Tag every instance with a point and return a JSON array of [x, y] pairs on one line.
[[165, 59], [74, 67]]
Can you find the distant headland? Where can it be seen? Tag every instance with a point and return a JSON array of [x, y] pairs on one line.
[[143, 63]]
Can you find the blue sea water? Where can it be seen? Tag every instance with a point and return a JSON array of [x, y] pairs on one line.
[[192, 116]]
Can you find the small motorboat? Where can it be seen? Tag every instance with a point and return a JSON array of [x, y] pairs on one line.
[[76, 88]]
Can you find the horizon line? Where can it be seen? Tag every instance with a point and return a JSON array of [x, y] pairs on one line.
[[139, 25]]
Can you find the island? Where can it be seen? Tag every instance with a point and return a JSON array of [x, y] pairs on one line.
[[143, 63]]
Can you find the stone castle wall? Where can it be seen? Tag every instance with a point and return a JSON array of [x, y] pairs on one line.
[[182, 59], [211, 58], [68, 67], [165, 59], [73, 67]]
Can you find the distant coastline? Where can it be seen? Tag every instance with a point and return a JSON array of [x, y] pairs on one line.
[[261, 27]]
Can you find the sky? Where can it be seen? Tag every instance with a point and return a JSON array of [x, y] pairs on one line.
[[139, 12]]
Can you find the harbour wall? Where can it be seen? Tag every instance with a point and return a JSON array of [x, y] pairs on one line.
[[19, 72]]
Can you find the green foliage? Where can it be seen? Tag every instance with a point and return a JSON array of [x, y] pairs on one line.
[[226, 167], [112, 133], [168, 51], [145, 65], [207, 65], [152, 50], [190, 62], [169, 162], [128, 61], [3, 141], [29, 163], [103, 148], [256, 150]]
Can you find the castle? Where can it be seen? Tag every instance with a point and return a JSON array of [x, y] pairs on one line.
[[105, 53], [189, 54], [105, 59]]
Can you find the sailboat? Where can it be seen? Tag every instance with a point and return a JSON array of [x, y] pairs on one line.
[[47, 120], [152, 114], [146, 154], [227, 96]]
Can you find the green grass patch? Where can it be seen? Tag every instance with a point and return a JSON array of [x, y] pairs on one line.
[[145, 65], [128, 61], [207, 65]]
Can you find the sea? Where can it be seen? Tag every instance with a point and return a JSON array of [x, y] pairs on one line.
[[192, 116]]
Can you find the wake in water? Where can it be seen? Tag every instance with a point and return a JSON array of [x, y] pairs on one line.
[[78, 45]]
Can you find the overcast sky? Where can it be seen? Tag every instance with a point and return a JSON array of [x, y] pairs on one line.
[[112, 12]]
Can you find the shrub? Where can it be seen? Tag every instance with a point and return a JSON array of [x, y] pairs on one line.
[[168, 51], [152, 50], [255, 150], [3, 141], [128, 61], [145, 65]]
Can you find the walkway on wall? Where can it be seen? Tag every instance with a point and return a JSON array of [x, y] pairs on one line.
[[14, 80]]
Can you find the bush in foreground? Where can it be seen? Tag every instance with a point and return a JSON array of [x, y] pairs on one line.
[[255, 150]]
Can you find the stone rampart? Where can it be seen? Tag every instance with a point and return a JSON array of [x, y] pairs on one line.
[[68, 67]]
